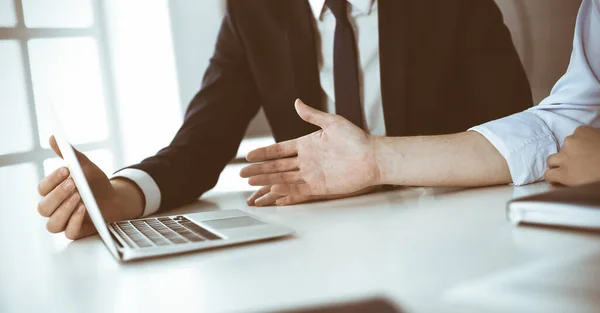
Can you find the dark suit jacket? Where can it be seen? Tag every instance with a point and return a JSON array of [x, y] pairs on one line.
[[446, 65]]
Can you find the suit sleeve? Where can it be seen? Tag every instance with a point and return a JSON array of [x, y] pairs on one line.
[[214, 124], [490, 70]]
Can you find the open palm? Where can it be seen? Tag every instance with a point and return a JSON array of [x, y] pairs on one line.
[[338, 159]]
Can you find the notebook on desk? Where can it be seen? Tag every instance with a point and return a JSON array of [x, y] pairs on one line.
[[577, 207]]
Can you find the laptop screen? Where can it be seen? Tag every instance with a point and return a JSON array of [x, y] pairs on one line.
[[78, 176]]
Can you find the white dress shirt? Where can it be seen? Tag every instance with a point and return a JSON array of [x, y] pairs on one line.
[[528, 138], [364, 19], [365, 22]]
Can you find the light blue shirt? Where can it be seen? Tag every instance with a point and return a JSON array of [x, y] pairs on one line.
[[528, 138]]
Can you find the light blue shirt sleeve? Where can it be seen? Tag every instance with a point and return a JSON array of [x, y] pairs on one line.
[[528, 138]]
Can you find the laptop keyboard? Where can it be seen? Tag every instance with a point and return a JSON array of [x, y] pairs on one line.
[[162, 231]]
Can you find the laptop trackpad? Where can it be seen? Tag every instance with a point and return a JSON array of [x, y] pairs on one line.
[[233, 222]]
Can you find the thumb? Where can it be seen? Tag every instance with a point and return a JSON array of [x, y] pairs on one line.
[[55, 147], [80, 156], [313, 115]]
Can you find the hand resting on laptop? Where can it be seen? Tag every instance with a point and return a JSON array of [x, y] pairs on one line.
[[118, 199]]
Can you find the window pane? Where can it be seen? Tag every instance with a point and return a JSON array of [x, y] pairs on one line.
[[18, 195], [66, 71], [58, 13], [15, 126], [103, 158], [143, 40], [7, 13]]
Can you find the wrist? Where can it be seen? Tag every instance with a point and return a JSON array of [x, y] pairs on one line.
[[128, 197], [391, 160], [380, 161]]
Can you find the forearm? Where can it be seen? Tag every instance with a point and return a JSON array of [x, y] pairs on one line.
[[128, 197], [464, 159]]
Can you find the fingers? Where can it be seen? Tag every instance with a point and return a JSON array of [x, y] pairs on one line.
[[277, 166], [277, 178], [80, 225], [291, 200], [277, 151], [313, 115], [51, 181], [268, 199], [257, 194], [302, 189], [53, 200], [54, 146], [556, 176], [58, 221], [80, 156], [554, 160]]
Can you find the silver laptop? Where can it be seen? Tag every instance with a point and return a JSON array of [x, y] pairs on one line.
[[151, 237]]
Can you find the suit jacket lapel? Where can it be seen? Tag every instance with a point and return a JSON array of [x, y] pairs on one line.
[[394, 23], [302, 44], [300, 51]]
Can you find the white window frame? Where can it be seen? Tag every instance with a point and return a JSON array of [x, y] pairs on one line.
[[20, 32]]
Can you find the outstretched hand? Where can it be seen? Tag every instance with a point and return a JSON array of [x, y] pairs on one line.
[[338, 159]]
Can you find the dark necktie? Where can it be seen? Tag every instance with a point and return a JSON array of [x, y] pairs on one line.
[[345, 65]]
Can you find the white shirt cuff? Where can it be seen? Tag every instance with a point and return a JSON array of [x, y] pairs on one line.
[[147, 185], [525, 142]]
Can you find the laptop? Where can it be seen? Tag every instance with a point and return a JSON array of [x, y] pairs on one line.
[[574, 207], [376, 305], [152, 237]]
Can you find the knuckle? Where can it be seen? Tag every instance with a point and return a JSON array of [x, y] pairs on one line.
[[581, 129], [70, 234], [68, 185], [74, 199], [44, 209], [41, 209], [278, 150], [51, 227], [554, 160], [336, 118]]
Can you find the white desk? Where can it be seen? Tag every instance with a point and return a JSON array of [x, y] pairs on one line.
[[415, 246]]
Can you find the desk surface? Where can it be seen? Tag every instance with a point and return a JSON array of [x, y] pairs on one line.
[[415, 246]]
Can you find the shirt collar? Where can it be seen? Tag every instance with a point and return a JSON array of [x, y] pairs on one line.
[[364, 6]]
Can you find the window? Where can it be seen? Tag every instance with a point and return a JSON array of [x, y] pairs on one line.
[[55, 51], [104, 64]]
